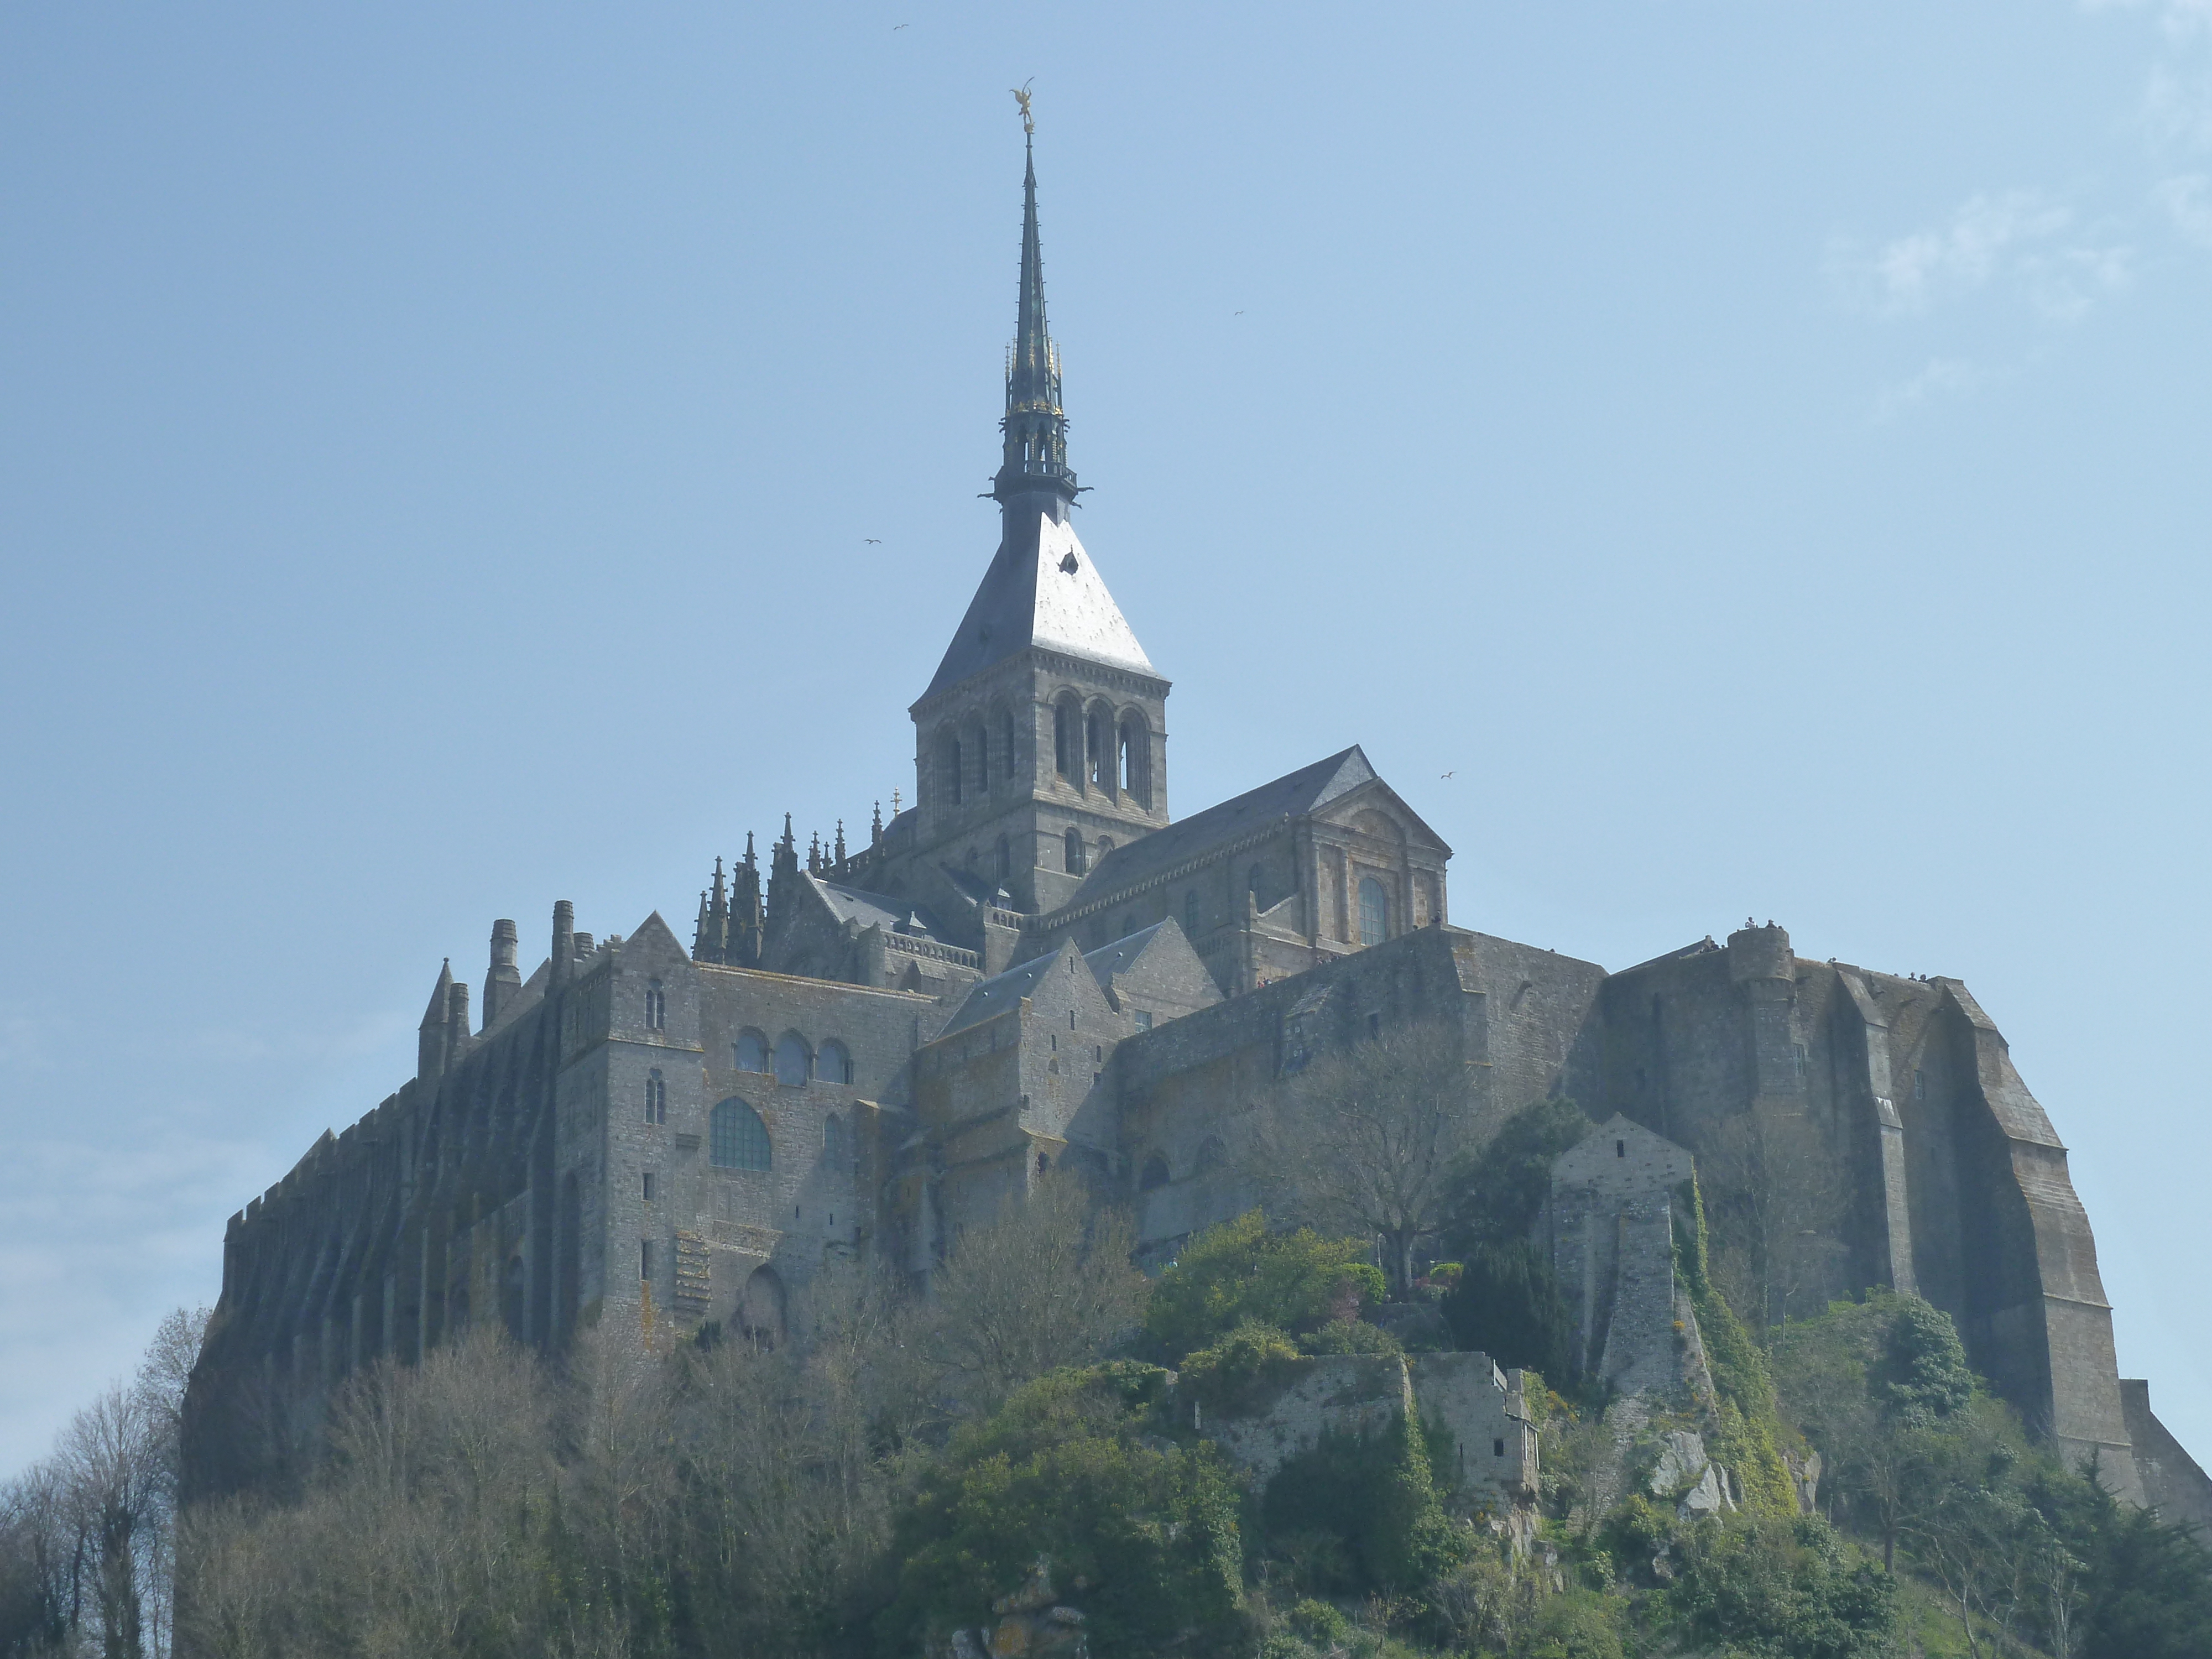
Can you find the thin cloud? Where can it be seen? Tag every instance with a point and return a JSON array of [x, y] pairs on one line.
[[1911, 275], [1944, 378], [2187, 203]]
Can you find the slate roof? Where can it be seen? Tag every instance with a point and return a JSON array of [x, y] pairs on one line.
[[1289, 796], [1041, 589], [893, 915], [1004, 990], [1109, 960], [1000, 993]]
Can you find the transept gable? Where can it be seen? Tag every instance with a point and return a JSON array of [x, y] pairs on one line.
[[1373, 807]]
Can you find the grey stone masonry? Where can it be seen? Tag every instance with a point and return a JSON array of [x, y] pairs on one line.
[[1610, 1218]]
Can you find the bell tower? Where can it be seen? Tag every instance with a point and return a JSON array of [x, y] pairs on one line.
[[1041, 740]]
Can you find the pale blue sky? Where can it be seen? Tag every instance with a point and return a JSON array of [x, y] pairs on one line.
[[1760, 451]]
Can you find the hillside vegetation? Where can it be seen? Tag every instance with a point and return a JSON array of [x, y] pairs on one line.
[[1021, 1444]]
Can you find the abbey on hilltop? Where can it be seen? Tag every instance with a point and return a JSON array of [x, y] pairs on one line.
[[1034, 967]]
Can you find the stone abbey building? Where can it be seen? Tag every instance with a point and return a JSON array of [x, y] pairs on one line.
[[1035, 966]]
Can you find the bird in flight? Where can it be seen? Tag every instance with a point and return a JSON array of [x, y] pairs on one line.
[[896, 27], [878, 541], [1240, 313], [1449, 774]]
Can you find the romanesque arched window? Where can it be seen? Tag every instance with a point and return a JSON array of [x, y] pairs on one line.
[[1067, 741], [834, 1063], [1072, 848], [1374, 911], [794, 1062], [1137, 759], [948, 769], [656, 1096], [1155, 1175], [752, 1052], [1100, 775], [736, 1138]]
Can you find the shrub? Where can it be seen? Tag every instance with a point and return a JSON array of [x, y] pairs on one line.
[[1350, 1336], [1140, 1533], [1507, 1304], [1782, 1588], [1360, 1512], [1240, 1271], [1236, 1373], [1507, 1181]]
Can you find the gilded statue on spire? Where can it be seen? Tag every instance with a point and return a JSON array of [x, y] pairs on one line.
[[1022, 97]]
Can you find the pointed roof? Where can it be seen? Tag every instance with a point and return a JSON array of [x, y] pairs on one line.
[[1031, 373], [440, 994], [1042, 590]]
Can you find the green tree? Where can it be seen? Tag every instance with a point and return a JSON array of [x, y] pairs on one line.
[[1140, 1532], [1787, 1589], [1240, 1271]]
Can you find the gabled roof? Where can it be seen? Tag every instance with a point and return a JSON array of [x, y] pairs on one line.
[[999, 992], [1289, 796], [1121, 954], [1041, 589], [893, 915]]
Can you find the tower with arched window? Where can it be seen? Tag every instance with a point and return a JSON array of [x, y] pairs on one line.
[[1043, 732]]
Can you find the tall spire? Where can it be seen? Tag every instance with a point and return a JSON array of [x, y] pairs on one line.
[[1035, 427]]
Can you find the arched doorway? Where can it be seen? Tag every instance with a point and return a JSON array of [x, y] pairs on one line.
[[760, 1309]]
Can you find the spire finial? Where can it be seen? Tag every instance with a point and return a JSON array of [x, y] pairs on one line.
[[1022, 97], [1035, 462]]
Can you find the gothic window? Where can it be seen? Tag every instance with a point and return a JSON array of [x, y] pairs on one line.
[[1190, 912], [1155, 1175], [834, 1064], [737, 1138], [1006, 721], [1003, 861], [1073, 846], [656, 1096], [836, 1145], [983, 741], [752, 1052], [794, 1064], [656, 1007], [1374, 911]]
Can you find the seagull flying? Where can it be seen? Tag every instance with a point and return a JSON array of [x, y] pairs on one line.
[[1449, 774], [874, 541]]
